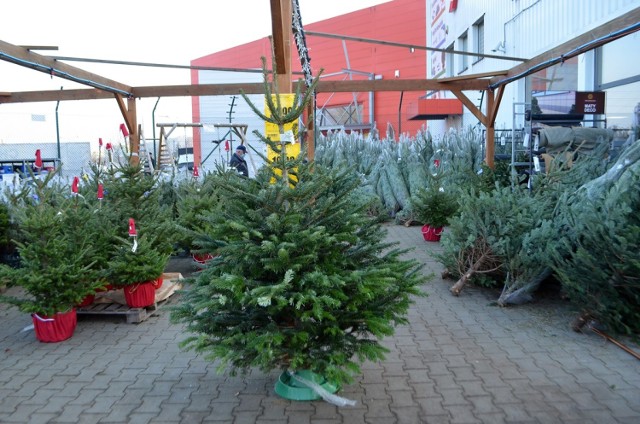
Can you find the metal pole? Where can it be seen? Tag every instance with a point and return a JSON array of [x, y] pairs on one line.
[[400, 115], [153, 122], [58, 136]]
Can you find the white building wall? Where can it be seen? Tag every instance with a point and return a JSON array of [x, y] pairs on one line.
[[215, 110], [527, 28]]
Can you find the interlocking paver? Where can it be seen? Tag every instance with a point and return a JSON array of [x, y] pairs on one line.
[[458, 360]]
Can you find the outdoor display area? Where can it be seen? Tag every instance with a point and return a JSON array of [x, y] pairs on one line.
[[292, 258], [298, 279]]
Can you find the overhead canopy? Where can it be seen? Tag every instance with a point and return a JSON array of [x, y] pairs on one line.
[[430, 109], [492, 84]]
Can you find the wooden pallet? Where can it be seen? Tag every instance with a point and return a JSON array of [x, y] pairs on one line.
[[112, 303], [133, 315]]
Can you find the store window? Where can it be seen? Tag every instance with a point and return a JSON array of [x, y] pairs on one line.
[[449, 58], [619, 78], [478, 39], [339, 115], [463, 58], [622, 106], [614, 64]]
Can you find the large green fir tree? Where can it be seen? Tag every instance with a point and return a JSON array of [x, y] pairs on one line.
[[303, 279]]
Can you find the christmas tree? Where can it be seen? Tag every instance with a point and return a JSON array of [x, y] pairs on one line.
[[303, 279], [56, 267], [131, 196], [598, 260], [196, 198]]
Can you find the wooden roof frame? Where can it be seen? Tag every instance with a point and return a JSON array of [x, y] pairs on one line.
[[492, 83]]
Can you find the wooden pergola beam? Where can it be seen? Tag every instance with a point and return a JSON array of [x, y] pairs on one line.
[[249, 88], [278, 35], [281, 11], [488, 119], [130, 115], [470, 106], [26, 58]]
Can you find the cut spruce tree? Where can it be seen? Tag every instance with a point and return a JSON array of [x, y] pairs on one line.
[[303, 279], [597, 259]]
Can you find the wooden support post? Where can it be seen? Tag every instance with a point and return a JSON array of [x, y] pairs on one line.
[[488, 120], [281, 19], [130, 119], [493, 104], [134, 133], [491, 132]]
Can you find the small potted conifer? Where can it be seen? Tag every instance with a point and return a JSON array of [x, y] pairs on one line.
[[56, 269], [135, 267], [433, 207], [133, 206]]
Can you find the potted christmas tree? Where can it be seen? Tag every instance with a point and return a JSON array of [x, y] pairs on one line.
[[135, 267], [196, 197], [303, 282], [433, 207], [133, 207], [56, 258]]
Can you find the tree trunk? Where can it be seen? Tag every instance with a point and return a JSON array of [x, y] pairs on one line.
[[457, 287]]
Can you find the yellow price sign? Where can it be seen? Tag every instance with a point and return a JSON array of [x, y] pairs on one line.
[[271, 130]]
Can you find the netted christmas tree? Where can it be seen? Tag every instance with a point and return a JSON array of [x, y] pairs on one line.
[[598, 261], [395, 170], [303, 280], [504, 236]]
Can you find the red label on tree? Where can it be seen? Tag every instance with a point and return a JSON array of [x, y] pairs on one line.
[[38, 162], [123, 129], [74, 185], [132, 227]]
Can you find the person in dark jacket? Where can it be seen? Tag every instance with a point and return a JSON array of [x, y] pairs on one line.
[[237, 161]]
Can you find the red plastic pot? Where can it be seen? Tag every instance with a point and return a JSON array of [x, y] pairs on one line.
[[55, 328], [140, 295], [157, 283], [106, 288], [430, 233], [88, 300], [202, 258]]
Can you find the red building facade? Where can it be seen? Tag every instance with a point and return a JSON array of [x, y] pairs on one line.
[[397, 21]]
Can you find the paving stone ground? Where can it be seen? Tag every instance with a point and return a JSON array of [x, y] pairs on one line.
[[459, 360]]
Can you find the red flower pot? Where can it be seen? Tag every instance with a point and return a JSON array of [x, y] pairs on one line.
[[88, 300], [140, 295], [157, 283], [106, 288], [202, 258], [430, 233], [55, 328]]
